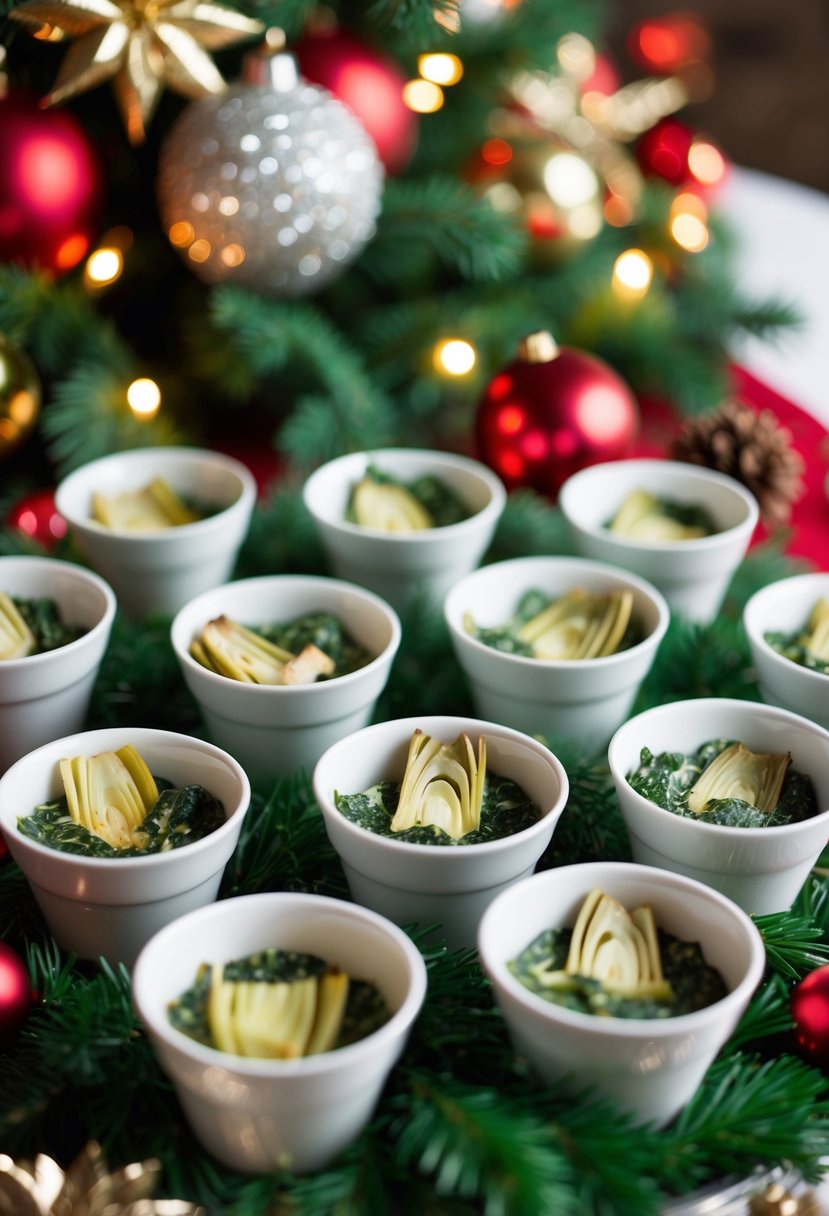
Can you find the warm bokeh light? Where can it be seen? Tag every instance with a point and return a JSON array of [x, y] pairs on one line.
[[667, 44], [632, 274], [706, 162], [103, 266], [70, 251], [144, 398], [200, 250], [618, 212], [569, 180], [441, 68], [232, 255], [689, 232], [422, 96], [496, 152], [688, 203], [455, 356], [181, 234], [577, 56], [49, 33]]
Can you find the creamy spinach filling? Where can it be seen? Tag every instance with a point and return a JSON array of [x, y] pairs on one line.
[[441, 503], [506, 809], [531, 605], [43, 616], [365, 1011], [693, 982], [323, 630], [180, 816], [790, 646], [667, 778]]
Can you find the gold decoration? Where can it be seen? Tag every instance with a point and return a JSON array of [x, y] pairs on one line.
[[86, 1188], [19, 396], [141, 45]]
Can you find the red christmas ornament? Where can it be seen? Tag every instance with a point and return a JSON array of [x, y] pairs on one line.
[[38, 517], [369, 84], [552, 412], [810, 1010], [672, 151], [50, 186], [668, 44], [15, 993]]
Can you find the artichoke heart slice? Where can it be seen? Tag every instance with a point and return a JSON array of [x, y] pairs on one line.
[[110, 794], [580, 625], [232, 650], [16, 638], [618, 948], [642, 517], [279, 1020], [739, 773], [443, 785], [388, 507], [816, 641], [149, 509]]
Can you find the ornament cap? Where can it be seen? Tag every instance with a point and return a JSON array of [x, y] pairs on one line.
[[270, 66], [538, 347]]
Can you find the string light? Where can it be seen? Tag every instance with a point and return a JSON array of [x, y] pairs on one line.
[[706, 162], [442, 69], [422, 96], [144, 398], [103, 267], [689, 232], [455, 356], [632, 274]]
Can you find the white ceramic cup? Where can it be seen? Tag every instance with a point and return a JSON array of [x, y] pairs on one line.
[[449, 885], [259, 1115], [395, 565], [111, 906], [761, 869], [784, 607], [693, 575], [275, 729], [157, 572], [583, 700], [650, 1068], [45, 696]]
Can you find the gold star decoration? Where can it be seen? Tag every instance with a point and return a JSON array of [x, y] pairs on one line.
[[86, 1188], [141, 45]]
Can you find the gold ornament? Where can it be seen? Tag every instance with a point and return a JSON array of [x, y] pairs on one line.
[[87, 1188], [141, 45], [19, 396]]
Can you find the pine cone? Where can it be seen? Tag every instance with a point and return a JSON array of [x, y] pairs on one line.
[[750, 447]]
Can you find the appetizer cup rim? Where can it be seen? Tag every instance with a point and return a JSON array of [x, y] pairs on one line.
[[613, 1027], [684, 823], [755, 628], [83, 574], [189, 456], [697, 544], [305, 1066], [411, 848], [453, 611], [495, 505], [310, 581], [9, 817]]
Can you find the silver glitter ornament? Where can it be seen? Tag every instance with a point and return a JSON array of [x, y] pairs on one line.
[[275, 185]]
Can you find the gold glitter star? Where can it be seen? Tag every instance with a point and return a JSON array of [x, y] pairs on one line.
[[141, 45]]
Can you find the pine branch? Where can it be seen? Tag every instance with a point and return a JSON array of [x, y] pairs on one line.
[[700, 661], [281, 536], [530, 526], [794, 944], [768, 1016]]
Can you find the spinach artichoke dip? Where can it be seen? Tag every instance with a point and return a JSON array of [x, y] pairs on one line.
[[725, 783], [32, 626], [380, 501], [577, 625], [312, 647], [151, 508], [808, 647], [447, 797], [649, 517], [113, 806], [618, 964], [277, 1004]]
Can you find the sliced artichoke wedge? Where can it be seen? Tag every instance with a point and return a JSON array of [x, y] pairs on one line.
[[16, 638], [617, 948], [232, 650], [816, 640], [642, 517], [580, 625], [443, 785], [387, 507], [150, 509], [276, 1020], [739, 773], [110, 794]]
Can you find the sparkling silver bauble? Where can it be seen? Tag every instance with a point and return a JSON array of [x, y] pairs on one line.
[[275, 186]]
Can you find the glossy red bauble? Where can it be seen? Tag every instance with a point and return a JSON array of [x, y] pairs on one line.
[[15, 994], [810, 1010], [50, 186], [663, 151], [38, 517], [551, 412], [369, 84]]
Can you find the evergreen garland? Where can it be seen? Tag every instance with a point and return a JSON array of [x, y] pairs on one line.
[[464, 1126]]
